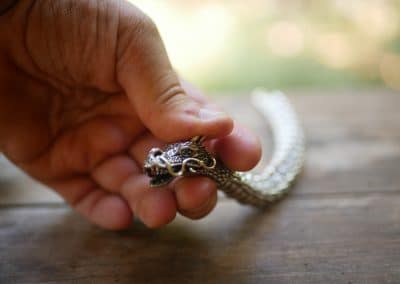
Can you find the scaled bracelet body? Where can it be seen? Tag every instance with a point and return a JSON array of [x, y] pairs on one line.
[[190, 158]]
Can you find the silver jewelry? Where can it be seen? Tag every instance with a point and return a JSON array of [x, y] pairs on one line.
[[190, 158]]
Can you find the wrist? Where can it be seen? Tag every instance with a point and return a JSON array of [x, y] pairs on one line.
[[6, 5]]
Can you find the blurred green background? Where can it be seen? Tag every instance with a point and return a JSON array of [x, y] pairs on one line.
[[237, 45]]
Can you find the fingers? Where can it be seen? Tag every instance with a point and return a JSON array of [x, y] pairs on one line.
[[79, 150], [105, 209], [120, 174], [112, 173], [192, 197], [240, 151], [146, 75], [155, 207], [196, 196], [143, 144]]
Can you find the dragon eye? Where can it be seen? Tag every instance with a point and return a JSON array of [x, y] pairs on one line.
[[186, 151], [155, 152]]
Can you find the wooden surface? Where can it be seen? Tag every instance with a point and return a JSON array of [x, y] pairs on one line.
[[341, 224]]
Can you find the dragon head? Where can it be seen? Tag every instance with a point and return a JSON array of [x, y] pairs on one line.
[[178, 159]]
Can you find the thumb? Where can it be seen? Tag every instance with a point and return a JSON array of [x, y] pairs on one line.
[[145, 73]]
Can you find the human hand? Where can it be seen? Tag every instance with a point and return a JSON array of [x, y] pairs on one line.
[[86, 89]]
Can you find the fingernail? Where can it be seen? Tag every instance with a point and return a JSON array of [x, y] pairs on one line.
[[208, 114]]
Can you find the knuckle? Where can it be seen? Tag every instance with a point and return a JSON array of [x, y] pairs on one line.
[[172, 94], [138, 23], [146, 24]]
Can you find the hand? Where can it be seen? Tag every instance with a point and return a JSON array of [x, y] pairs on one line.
[[86, 89]]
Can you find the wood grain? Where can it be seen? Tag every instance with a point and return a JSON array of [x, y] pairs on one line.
[[341, 224]]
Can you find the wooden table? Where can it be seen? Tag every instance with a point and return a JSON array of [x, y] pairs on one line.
[[341, 224]]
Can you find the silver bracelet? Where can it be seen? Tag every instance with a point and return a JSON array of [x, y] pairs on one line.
[[190, 158]]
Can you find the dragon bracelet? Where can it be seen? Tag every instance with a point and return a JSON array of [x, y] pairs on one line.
[[190, 158]]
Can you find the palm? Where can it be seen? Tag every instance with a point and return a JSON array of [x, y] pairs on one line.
[[73, 136], [63, 136]]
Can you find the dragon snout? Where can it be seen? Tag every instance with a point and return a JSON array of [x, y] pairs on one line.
[[154, 153], [156, 167], [176, 161], [154, 162]]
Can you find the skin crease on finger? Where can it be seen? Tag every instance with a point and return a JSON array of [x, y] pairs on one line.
[[70, 122]]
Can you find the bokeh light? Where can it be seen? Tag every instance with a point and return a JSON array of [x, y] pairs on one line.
[[285, 38], [235, 45], [390, 70], [334, 50]]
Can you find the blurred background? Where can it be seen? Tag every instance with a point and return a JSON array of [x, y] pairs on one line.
[[237, 45]]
